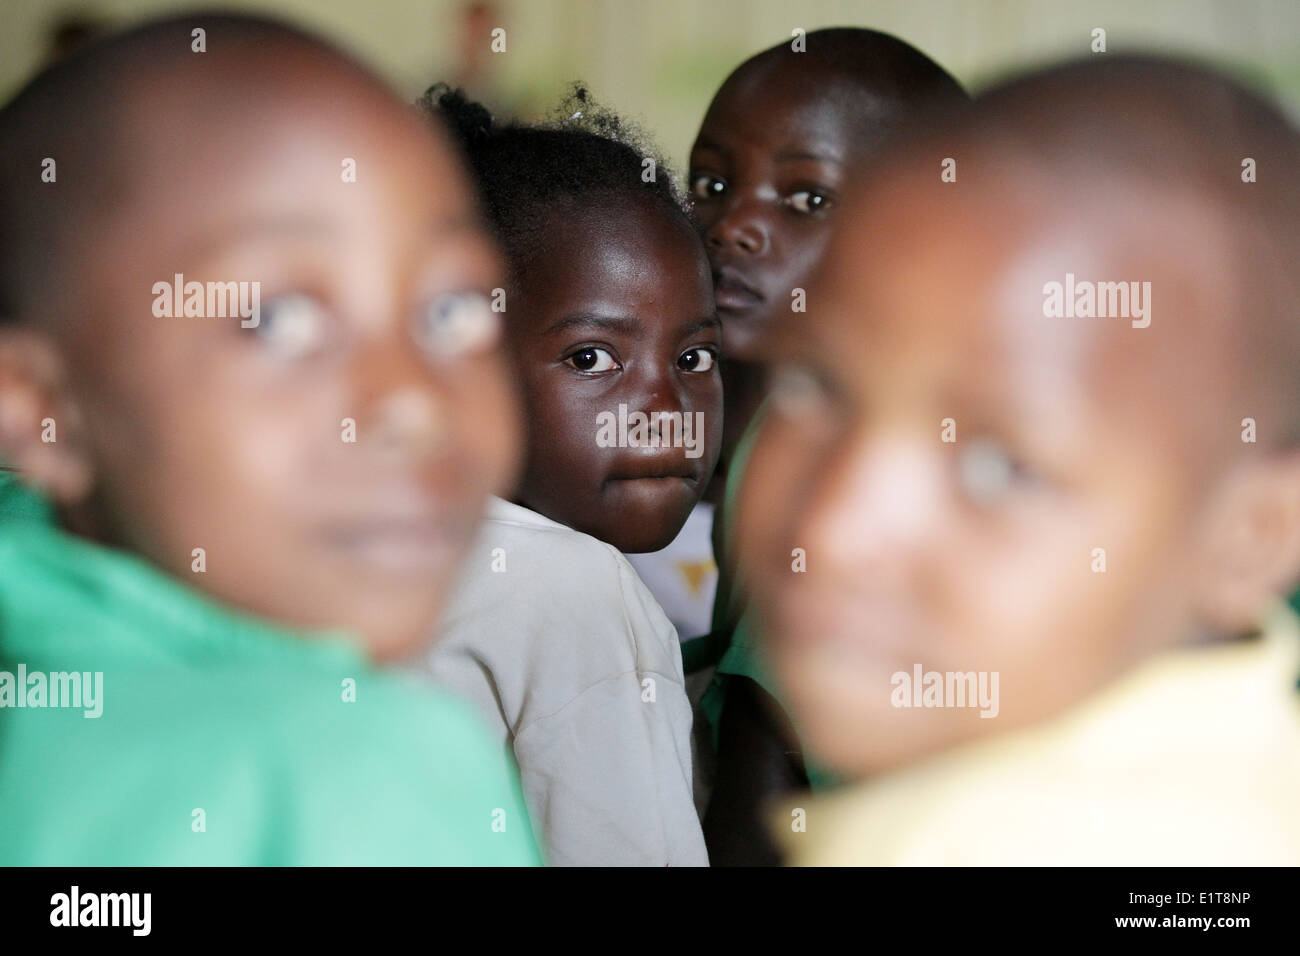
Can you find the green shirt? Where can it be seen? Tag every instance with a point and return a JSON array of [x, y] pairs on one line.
[[734, 645], [221, 740]]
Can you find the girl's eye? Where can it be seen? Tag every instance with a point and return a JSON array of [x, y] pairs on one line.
[[291, 325], [592, 359], [456, 324], [988, 472], [808, 201], [705, 187], [797, 393], [697, 360]]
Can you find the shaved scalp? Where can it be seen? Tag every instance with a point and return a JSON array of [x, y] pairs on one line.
[[1154, 134], [79, 112], [889, 78]]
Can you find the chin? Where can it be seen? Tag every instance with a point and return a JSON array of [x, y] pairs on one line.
[[856, 741], [397, 644], [640, 526], [386, 628], [644, 543], [743, 334], [842, 710]]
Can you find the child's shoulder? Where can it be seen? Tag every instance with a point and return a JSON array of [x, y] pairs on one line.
[[1130, 777], [532, 581], [530, 551], [212, 738], [237, 766]]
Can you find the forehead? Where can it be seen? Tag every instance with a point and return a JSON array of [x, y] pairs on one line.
[[267, 142], [791, 104], [619, 253], [928, 290]]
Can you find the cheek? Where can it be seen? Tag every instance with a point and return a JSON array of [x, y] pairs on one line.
[[208, 419], [1010, 594], [769, 505], [707, 399], [552, 409], [797, 250], [795, 254], [706, 216], [249, 455], [486, 409], [561, 436], [227, 475], [1066, 603]]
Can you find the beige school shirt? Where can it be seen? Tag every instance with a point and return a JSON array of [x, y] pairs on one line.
[[579, 673], [1192, 759]]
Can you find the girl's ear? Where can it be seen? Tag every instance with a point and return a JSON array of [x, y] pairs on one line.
[[1253, 544], [40, 426]]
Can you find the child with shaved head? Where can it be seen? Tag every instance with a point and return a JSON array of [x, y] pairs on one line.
[[217, 522], [1042, 451], [786, 136]]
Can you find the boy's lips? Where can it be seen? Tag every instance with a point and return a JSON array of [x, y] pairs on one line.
[[665, 476], [414, 543], [731, 293], [839, 627], [656, 468]]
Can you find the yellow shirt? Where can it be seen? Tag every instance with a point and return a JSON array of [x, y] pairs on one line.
[[1191, 759]]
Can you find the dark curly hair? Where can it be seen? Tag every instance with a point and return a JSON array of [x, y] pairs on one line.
[[525, 171]]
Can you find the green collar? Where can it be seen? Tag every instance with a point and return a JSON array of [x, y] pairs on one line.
[[64, 594]]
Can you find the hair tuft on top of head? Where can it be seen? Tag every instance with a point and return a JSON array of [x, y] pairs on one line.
[[524, 172], [468, 121]]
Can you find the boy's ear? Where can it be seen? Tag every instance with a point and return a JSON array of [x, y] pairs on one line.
[[1253, 553], [40, 427]]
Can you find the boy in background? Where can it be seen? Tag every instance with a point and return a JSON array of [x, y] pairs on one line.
[[785, 137]]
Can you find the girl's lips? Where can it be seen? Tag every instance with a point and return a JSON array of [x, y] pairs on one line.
[[671, 491], [656, 475], [731, 294], [660, 479]]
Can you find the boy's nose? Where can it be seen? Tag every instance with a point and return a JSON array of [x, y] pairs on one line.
[[659, 393], [401, 407], [739, 227], [408, 421]]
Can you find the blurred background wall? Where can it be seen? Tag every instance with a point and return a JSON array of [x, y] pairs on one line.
[[659, 61]]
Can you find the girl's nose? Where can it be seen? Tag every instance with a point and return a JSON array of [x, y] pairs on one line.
[[740, 227]]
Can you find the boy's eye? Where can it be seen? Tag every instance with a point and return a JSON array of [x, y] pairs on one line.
[[592, 359], [291, 325], [697, 360], [705, 187], [457, 323], [988, 472], [808, 201]]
